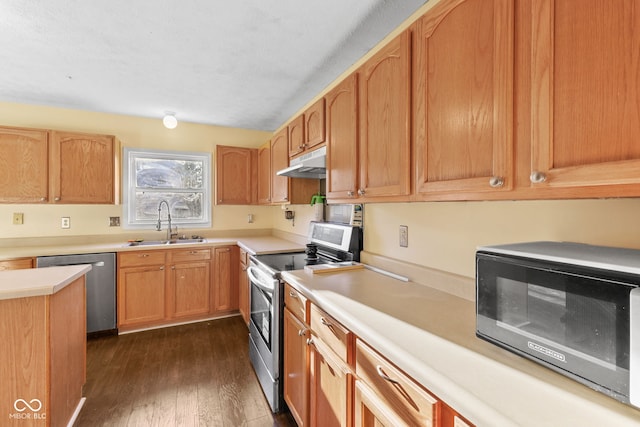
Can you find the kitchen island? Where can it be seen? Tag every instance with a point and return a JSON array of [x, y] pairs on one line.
[[43, 336]]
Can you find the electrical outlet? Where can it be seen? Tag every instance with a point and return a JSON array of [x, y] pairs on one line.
[[114, 221], [18, 218], [404, 236], [65, 222]]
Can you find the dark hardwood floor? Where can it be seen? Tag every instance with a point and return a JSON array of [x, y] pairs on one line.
[[190, 375]]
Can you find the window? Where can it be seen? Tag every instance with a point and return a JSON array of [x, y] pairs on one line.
[[183, 179]]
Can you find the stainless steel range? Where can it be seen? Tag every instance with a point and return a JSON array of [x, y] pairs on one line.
[[327, 243]]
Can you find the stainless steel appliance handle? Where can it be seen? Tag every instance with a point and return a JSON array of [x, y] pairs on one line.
[[259, 283], [634, 347]]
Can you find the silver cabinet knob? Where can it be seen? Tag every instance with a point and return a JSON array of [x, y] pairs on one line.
[[350, 193], [43, 199], [537, 177], [496, 181], [57, 199], [302, 332], [361, 191]]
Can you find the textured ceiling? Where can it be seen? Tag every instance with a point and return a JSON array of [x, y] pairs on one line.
[[240, 63]]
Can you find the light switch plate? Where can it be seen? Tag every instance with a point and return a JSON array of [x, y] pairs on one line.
[[404, 236]]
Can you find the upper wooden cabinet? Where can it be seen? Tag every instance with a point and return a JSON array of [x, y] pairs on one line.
[[279, 161], [236, 175], [84, 168], [385, 125], [307, 131], [264, 174], [296, 136], [585, 96], [342, 139], [58, 167], [284, 189], [24, 168], [463, 97]]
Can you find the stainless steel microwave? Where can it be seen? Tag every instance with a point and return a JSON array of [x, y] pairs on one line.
[[572, 307]]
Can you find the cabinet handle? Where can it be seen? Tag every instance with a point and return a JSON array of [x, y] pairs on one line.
[[309, 341], [361, 191], [143, 255], [350, 193], [285, 199], [496, 181], [326, 323], [302, 332], [162, 268], [293, 295], [193, 252], [43, 199], [385, 376], [173, 267], [538, 177], [56, 199]]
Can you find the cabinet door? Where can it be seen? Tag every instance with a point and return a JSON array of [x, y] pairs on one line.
[[264, 174], [243, 287], [279, 161], [296, 136], [236, 175], [190, 287], [330, 387], [385, 125], [82, 168], [314, 125], [463, 77], [296, 375], [342, 139], [371, 411], [141, 295], [225, 283], [24, 169], [585, 94]]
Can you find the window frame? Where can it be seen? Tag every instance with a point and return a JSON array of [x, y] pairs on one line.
[[129, 187]]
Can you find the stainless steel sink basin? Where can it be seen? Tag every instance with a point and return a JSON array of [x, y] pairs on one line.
[[165, 242]]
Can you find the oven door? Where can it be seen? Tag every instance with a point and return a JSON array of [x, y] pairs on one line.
[[264, 325], [573, 319]]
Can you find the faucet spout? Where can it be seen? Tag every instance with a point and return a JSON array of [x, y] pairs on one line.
[[159, 224]]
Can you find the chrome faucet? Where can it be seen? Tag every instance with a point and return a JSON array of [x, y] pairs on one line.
[[170, 233]]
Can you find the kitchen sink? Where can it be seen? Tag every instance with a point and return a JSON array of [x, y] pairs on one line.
[[165, 242]]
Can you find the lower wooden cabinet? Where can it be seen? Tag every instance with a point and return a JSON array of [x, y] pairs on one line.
[[332, 378], [160, 286], [190, 283], [296, 375], [243, 286]]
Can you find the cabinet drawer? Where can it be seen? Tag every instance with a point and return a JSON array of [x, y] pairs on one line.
[[139, 258], [295, 302], [16, 264], [336, 336], [182, 255], [394, 388]]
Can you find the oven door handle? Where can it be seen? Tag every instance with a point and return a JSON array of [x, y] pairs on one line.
[[256, 281]]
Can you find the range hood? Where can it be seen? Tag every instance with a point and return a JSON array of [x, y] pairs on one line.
[[310, 165]]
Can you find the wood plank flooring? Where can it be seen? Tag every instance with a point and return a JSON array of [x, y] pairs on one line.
[[190, 375]]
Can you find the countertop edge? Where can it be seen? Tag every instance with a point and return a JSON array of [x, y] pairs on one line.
[[39, 282]]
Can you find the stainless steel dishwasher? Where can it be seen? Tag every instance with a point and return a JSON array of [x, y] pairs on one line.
[[100, 284]]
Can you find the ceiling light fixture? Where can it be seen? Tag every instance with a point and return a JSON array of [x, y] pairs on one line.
[[169, 120]]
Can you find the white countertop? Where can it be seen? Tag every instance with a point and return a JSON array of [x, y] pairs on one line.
[[254, 245], [38, 281], [430, 335]]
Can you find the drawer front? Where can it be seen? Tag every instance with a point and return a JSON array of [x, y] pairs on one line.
[[16, 264], [329, 330], [398, 391], [139, 258], [295, 302], [185, 255]]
